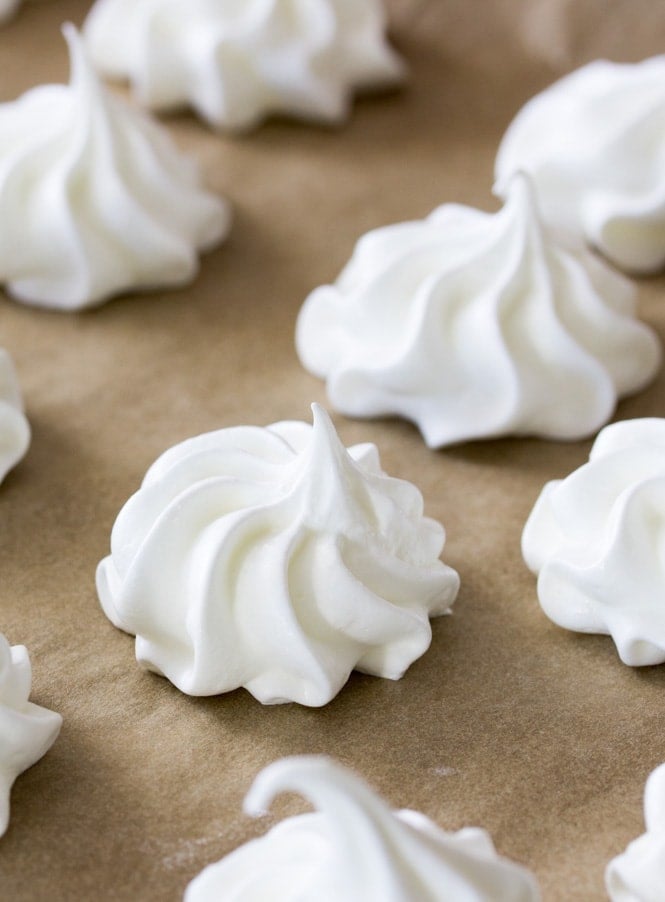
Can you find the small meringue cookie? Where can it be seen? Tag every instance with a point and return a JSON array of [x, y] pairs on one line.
[[353, 847], [475, 325], [8, 9], [638, 874], [236, 63], [27, 731], [276, 560], [594, 144], [95, 199], [595, 539], [14, 428]]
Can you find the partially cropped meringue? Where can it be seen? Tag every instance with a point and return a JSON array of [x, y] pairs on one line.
[[475, 325], [277, 560], [8, 9], [638, 874], [27, 731], [14, 428], [594, 144], [596, 541], [95, 199], [353, 847], [236, 63]]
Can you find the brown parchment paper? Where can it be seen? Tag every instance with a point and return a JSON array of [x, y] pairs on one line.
[[539, 735]]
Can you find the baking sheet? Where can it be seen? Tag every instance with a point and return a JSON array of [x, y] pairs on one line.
[[541, 736]]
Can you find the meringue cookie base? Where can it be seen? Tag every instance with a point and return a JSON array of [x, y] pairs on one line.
[[539, 735]]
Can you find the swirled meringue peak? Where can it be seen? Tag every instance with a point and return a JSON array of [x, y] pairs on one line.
[[14, 428], [638, 874], [595, 539], [276, 560], [237, 62], [27, 731], [95, 199], [594, 144], [475, 325], [355, 848]]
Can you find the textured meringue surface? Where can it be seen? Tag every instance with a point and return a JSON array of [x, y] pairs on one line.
[[235, 63], [276, 560], [475, 325], [354, 847], [595, 539], [594, 144], [638, 874], [27, 731], [14, 428], [95, 199]]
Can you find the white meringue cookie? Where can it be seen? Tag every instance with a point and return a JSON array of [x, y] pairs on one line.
[[95, 199], [356, 849], [236, 63], [594, 144], [638, 874], [8, 9], [14, 428], [27, 731], [276, 560], [595, 540], [475, 325]]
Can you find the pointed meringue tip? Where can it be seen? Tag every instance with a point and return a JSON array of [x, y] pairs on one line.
[[79, 65], [322, 422], [518, 183], [324, 433], [318, 411], [518, 193], [72, 36], [291, 774]]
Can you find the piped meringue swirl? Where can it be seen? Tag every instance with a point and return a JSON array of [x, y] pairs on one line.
[[595, 539], [277, 560], [594, 144], [14, 428], [236, 63], [27, 731], [638, 874], [95, 199], [475, 325], [353, 847]]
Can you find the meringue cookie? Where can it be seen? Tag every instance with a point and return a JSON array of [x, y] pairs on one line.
[[8, 9], [353, 847], [276, 560], [594, 143], [638, 874], [237, 63], [595, 540], [475, 325], [94, 198], [27, 731], [14, 428]]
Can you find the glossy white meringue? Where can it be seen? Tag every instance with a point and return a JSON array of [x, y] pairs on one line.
[[236, 63], [276, 560], [475, 325], [95, 199], [14, 428], [595, 539], [594, 144], [27, 731], [354, 848], [638, 874]]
